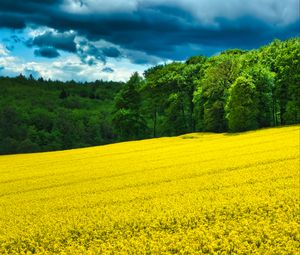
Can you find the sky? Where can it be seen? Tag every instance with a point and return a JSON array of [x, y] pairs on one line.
[[87, 40]]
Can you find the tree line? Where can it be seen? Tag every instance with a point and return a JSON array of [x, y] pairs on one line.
[[234, 91], [45, 115]]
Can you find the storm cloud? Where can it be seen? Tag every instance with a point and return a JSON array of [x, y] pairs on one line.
[[107, 70], [47, 52], [62, 41], [162, 28], [87, 40]]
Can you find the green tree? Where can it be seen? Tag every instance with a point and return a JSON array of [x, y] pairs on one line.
[[282, 57], [153, 92], [175, 122], [12, 124], [42, 119], [63, 94], [241, 107], [287, 81], [8, 145], [67, 129], [175, 97], [263, 79], [193, 73], [219, 76], [28, 146], [127, 119]]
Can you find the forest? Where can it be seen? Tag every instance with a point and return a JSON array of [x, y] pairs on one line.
[[234, 91]]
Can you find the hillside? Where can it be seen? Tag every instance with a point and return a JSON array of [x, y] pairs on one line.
[[193, 194], [40, 115], [234, 91]]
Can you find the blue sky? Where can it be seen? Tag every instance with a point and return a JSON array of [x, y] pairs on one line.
[[86, 40]]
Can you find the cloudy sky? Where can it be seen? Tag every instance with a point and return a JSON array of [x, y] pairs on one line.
[[87, 40]]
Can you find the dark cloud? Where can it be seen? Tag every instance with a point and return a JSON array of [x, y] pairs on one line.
[[50, 41], [14, 21], [157, 28], [28, 6], [46, 52], [11, 41], [111, 52], [89, 54], [62, 41], [141, 58], [107, 70], [17, 14]]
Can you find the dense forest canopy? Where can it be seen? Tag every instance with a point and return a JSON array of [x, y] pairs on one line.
[[235, 91]]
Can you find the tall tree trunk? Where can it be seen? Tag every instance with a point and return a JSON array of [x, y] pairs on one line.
[[274, 111], [192, 121], [154, 121], [183, 115], [282, 112]]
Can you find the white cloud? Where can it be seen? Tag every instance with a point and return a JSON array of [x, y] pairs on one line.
[[68, 67]]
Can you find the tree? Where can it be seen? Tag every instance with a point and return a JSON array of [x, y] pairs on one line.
[[33, 118], [287, 66], [282, 57], [42, 119], [63, 94], [219, 76], [263, 79], [175, 98], [12, 124], [67, 129], [175, 122], [153, 93], [28, 146], [8, 145], [127, 119], [241, 107], [193, 73]]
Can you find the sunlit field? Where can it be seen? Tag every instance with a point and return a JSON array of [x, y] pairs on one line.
[[199, 193]]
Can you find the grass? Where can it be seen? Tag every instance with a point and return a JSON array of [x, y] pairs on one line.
[[194, 194]]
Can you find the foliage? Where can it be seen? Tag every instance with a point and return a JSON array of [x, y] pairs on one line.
[[39, 115], [127, 119], [219, 76], [242, 105], [263, 79], [171, 99]]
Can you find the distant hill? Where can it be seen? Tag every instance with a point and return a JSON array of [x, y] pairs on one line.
[[40, 115]]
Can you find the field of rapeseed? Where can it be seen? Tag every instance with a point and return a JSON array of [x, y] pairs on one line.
[[193, 194]]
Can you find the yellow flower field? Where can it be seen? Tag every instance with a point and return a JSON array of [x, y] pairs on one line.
[[199, 193]]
